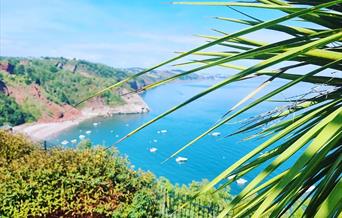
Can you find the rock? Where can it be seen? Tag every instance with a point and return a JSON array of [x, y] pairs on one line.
[[7, 67], [3, 88], [60, 115]]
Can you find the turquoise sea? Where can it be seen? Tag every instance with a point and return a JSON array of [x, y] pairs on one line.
[[207, 158]]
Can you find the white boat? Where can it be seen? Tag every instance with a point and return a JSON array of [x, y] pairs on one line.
[[117, 136], [163, 131], [181, 159], [241, 181], [95, 124], [81, 137], [153, 150], [155, 140], [231, 177], [74, 141], [65, 142], [158, 132], [215, 134], [88, 132]]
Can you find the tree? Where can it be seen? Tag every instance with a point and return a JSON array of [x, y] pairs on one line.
[[312, 123], [20, 69]]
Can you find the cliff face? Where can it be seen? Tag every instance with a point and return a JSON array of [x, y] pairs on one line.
[[48, 88], [33, 96], [132, 104]]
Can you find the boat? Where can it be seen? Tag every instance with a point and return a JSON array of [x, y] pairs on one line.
[[74, 141], [155, 140], [231, 177], [88, 132], [95, 124], [163, 131], [241, 181], [82, 137], [153, 150], [117, 136], [158, 132], [65, 142], [215, 134], [181, 159]]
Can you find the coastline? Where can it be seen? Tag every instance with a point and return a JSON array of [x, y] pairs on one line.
[[39, 131]]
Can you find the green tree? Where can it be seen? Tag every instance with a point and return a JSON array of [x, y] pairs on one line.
[[11, 113], [20, 69]]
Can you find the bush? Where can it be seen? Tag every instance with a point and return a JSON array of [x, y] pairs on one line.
[[11, 112], [70, 182]]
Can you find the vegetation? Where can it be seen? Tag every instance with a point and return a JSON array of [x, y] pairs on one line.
[[87, 181], [65, 81], [307, 129], [11, 113]]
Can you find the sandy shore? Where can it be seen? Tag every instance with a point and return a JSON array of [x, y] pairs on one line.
[[134, 104], [40, 131]]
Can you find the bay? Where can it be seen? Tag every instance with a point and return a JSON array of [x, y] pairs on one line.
[[208, 157]]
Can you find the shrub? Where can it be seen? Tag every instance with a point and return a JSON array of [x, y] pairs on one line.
[[70, 182], [11, 112]]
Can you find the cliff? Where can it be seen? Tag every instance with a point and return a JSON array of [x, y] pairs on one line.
[[46, 88]]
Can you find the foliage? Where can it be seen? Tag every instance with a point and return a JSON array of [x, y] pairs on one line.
[[176, 197], [66, 182], [11, 112], [62, 85], [307, 129]]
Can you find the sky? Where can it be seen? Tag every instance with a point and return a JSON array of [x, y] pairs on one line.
[[119, 33]]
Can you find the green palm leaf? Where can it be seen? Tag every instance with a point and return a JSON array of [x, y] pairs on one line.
[[314, 131]]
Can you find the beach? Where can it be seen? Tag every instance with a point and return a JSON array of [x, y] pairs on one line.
[[133, 104]]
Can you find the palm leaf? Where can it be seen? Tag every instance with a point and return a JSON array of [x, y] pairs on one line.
[[314, 129]]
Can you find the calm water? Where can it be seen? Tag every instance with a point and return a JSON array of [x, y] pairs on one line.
[[206, 159]]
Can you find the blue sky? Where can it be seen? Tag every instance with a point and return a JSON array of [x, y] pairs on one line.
[[119, 33]]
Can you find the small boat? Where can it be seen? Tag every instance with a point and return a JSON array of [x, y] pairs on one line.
[[88, 132], [74, 141], [65, 142], [95, 124], [117, 136], [163, 131], [158, 132], [241, 181], [231, 177], [155, 140], [181, 159], [153, 150], [82, 137], [215, 134]]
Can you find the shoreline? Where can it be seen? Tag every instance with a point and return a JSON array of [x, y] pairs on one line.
[[39, 131]]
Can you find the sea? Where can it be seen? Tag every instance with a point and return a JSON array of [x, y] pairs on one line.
[[205, 159]]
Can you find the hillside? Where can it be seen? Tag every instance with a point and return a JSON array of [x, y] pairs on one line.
[[44, 89]]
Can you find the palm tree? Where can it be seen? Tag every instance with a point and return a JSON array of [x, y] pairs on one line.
[[312, 132]]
